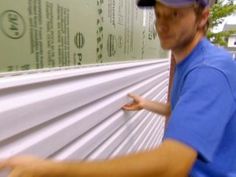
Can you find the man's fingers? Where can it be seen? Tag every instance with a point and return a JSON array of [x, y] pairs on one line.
[[135, 105], [3, 164], [128, 107], [16, 173], [133, 96], [132, 107]]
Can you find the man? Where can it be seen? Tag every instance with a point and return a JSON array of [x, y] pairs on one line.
[[200, 139]]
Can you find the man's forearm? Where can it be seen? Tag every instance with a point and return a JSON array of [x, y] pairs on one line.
[[171, 159], [157, 107], [136, 165]]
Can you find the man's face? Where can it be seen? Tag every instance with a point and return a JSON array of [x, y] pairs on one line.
[[176, 27]]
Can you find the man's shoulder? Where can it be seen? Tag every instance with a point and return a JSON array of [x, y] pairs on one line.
[[208, 55], [217, 57]]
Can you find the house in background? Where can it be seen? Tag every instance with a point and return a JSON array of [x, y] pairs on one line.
[[231, 41]]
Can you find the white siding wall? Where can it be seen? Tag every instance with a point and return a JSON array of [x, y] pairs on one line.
[[76, 113]]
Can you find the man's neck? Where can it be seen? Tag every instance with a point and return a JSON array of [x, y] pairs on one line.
[[181, 53]]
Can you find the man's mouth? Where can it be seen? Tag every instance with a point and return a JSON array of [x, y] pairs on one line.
[[165, 37]]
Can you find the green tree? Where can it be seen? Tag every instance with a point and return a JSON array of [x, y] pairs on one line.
[[219, 11]]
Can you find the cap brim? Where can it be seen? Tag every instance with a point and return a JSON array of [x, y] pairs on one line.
[[170, 3], [146, 3]]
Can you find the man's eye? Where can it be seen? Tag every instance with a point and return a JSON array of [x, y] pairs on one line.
[[175, 14]]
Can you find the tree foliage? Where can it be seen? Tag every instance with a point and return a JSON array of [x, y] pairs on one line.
[[219, 11]]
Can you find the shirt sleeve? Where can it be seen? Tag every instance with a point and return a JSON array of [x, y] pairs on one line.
[[202, 112]]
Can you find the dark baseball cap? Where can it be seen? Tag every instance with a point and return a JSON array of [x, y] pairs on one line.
[[171, 3]]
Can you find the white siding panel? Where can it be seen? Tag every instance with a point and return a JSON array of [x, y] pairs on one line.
[[142, 138], [124, 146], [76, 113], [151, 138], [46, 101], [111, 144], [151, 131]]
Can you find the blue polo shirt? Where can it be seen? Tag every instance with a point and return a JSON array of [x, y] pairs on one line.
[[203, 102]]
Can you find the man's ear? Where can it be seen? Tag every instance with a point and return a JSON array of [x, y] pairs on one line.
[[204, 18]]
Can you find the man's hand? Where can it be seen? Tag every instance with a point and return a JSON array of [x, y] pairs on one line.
[[27, 166], [137, 104], [153, 106]]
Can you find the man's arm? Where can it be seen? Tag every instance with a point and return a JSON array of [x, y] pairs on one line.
[[141, 103], [171, 159]]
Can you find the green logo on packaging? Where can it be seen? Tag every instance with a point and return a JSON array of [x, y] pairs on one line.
[[12, 24]]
